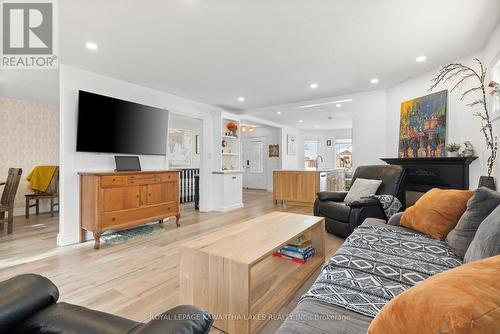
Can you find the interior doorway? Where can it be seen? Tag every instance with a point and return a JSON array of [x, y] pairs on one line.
[[254, 163], [261, 151]]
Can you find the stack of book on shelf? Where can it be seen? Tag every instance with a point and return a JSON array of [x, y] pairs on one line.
[[298, 250]]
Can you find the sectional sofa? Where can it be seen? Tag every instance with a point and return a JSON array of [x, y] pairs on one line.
[[377, 262]]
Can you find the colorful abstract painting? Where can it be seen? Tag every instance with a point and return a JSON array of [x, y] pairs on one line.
[[422, 130]]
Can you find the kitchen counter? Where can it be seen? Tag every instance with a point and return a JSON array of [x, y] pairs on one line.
[[224, 172], [299, 186]]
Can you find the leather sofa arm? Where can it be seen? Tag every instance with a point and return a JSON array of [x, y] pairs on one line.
[[183, 319], [364, 202], [360, 213], [335, 196], [22, 296]]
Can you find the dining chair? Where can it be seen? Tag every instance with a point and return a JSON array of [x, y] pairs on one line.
[[52, 193], [8, 196]]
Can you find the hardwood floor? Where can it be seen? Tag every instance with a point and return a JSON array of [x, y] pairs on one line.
[[136, 279]]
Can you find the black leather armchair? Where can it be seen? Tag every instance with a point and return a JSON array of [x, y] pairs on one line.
[[28, 305], [341, 219]]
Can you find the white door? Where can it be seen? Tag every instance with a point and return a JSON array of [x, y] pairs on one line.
[[254, 163]]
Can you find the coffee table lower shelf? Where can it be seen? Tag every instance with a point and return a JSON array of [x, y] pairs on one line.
[[242, 286], [273, 282]]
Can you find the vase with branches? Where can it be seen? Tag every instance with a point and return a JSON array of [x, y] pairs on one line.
[[460, 74]]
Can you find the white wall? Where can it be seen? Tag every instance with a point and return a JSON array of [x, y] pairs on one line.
[[377, 114], [462, 125], [292, 161], [272, 136], [286, 161], [71, 162], [369, 128], [194, 125], [491, 56]]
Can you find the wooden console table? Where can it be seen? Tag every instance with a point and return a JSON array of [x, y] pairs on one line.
[[232, 273], [119, 200]]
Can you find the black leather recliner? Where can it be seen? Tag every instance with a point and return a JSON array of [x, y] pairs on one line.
[[28, 305], [341, 219]]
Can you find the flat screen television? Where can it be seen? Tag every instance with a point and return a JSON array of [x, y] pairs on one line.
[[110, 125]]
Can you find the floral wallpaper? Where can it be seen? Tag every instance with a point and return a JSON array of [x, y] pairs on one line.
[[29, 136]]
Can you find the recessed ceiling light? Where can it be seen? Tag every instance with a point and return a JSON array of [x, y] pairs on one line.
[[301, 121], [278, 113], [313, 85], [316, 126], [91, 46], [374, 81], [338, 105], [241, 99], [420, 59]]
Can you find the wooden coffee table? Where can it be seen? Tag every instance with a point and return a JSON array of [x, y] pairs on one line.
[[232, 273]]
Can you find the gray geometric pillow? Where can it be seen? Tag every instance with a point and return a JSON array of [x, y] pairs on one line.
[[479, 206], [389, 203], [486, 243]]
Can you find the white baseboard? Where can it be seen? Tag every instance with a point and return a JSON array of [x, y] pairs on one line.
[[229, 207], [19, 212], [68, 239], [44, 208]]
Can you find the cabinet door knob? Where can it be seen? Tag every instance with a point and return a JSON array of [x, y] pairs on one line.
[[114, 180], [113, 218], [149, 194], [234, 177]]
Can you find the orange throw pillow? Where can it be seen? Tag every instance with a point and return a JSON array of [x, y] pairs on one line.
[[463, 300], [437, 212]]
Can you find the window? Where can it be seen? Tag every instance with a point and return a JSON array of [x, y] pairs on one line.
[[343, 153], [311, 151], [496, 97]]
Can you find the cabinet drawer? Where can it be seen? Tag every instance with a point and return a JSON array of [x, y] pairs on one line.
[[129, 217], [169, 177], [109, 181], [142, 180]]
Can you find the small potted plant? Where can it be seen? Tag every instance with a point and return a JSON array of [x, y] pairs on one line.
[[452, 149], [495, 92], [232, 127]]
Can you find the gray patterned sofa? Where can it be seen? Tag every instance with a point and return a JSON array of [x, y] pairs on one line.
[[376, 262]]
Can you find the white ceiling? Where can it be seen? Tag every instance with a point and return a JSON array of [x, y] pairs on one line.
[[322, 114], [268, 51], [32, 85]]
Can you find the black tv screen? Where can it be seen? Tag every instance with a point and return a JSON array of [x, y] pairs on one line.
[[111, 125]]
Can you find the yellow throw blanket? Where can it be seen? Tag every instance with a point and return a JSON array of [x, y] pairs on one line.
[[40, 177]]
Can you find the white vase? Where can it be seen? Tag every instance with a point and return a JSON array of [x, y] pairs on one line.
[[453, 154]]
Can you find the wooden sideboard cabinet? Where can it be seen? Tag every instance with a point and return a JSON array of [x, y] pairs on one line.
[[119, 200]]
